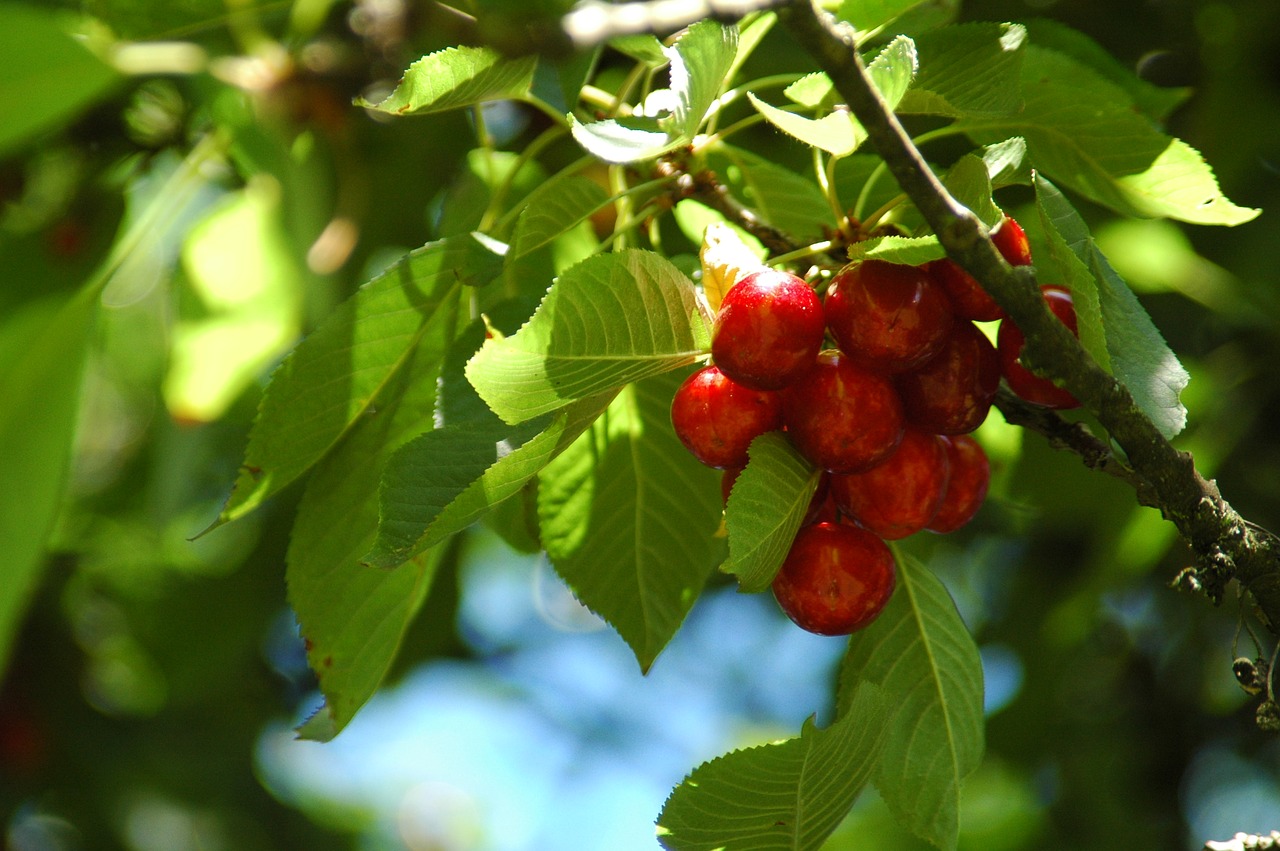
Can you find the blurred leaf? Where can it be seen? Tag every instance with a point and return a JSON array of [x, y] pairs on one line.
[[1155, 101], [41, 392], [903, 250], [456, 77], [609, 320], [785, 796], [628, 518], [967, 70], [487, 173], [336, 374], [767, 505], [1139, 355], [926, 663], [239, 263], [839, 133], [46, 78], [351, 615], [1083, 130]]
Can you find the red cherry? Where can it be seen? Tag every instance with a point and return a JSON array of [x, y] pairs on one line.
[[841, 416], [836, 579], [952, 393], [967, 486], [716, 419], [886, 315], [899, 496], [768, 330], [1009, 343], [968, 298]]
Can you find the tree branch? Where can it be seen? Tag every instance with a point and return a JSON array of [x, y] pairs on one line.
[[593, 22], [1226, 545]]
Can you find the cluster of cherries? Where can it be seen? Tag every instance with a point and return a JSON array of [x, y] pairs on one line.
[[885, 414]]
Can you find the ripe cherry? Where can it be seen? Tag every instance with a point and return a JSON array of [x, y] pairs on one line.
[[886, 315], [968, 298], [716, 419], [841, 416], [953, 392], [967, 486], [768, 330], [1009, 342], [836, 579], [899, 496]]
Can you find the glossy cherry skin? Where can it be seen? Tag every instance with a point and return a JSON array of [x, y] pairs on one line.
[[842, 416], [968, 298], [953, 392], [967, 485], [716, 419], [768, 330], [900, 495], [836, 579], [1009, 343], [886, 315]]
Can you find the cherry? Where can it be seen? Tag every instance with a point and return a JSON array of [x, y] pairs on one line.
[[716, 419], [900, 495], [967, 486], [836, 579], [953, 392], [886, 315], [1009, 343], [968, 298], [768, 330], [841, 416]]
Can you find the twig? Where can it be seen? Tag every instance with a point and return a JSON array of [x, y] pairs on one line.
[[1226, 546], [593, 23]]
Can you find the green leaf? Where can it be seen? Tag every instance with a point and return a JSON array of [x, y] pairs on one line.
[[1083, 130], [786, 796], [700, 65], [839, 133], [970, 183], [46, 78], [1139, 356], [926, 663], [767, 505], [456, 77], [1156, 101], [867, 15], [1007, 162], [40, 387], [609, 320], [334, 376], [784, 199], [967, 70], [353, 617], [643, 47], [552, 210], [903, 250], [629, 518], [624, 140], [811, 90]]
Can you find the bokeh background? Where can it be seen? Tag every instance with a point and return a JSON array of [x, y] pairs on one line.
[[151, 696]]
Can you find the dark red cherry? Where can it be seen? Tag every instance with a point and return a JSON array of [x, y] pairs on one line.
[[886, 315], [836, 579], [716, 419]]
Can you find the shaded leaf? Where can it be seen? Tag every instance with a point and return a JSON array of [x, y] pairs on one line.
[[926, 663], [970, 183], [767, 505], [785, 796], [628, 518], [967, 70], [456, 77], [333, 377], [607, 321], [784, 199], [1139, 356]]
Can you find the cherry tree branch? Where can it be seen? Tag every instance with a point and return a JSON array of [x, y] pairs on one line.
[[1225, 544]]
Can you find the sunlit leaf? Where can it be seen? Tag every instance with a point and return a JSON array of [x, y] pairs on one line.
[[785, 796], [726, 256], [609, 320], [967, 70], [903, 250], [628, 518], [767, 505], [456, 77], [926, 663], [700, 63], [969, 182]]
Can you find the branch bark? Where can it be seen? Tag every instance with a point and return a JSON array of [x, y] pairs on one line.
[[1226, 545]]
